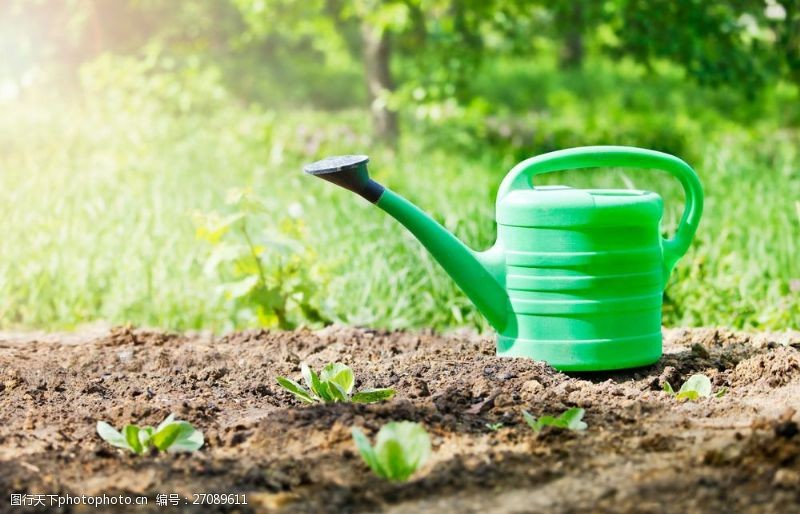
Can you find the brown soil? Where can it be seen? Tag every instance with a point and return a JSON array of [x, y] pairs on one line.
[[642, 452]]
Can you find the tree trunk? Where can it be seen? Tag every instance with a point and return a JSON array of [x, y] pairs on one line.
[[789, 39], [572, 50], [377, 54]]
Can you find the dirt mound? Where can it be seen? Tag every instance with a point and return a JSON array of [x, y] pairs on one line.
[[776, 368], [642, 452]]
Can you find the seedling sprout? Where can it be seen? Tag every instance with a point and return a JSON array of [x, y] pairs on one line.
[[571, 419], [401, 448], [171, 436], [697, 386], [334, 384]]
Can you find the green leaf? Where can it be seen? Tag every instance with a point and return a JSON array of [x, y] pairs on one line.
[[188, 439], [334, 384], [296, 389], [132, 437], [531, 421], [213, 228], [572, 419], [169, 419], [145, 434], [687, 395], [313, 382], [164, 438], [340, 374], [336, 392], [548, 421], [699, 383], [308, 375], [367, 452], [393, 460], [325, 391], [178, 436], [372, 395], [267, 298], [222, 254], [318, 387], [112, 436], [668, 388], [697, 386], [402, 448], [240, 288], [722, 391], [170, 435]]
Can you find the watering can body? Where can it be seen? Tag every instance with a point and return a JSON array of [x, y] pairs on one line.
[[584, 274], [576, 276]]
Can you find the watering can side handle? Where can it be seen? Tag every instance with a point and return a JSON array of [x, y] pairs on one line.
[[520, 177]]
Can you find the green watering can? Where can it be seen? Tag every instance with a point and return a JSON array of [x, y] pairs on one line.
[[576, 275]]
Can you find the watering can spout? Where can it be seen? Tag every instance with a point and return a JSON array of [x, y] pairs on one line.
[[479, 274]]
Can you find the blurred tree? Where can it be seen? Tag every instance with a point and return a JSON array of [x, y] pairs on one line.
[[377, 69], [68, 33], [404, 52], [717, 43], [428, 50], [783, 18], [440, 42], [572, 23], [572, 17]]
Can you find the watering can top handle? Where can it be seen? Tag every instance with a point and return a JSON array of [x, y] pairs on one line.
[[619, 156]]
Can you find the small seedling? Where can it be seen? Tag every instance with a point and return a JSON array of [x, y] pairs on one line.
[[697, 386], [569, 420], [494, 427], [170, 436], [333, 384], [401, 448]]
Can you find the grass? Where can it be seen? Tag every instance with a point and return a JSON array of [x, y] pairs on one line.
[[97, 201]]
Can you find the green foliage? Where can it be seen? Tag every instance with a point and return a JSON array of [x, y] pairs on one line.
[[333, 384], [440, 45], [170, 436], [570, 419], [270, 278], [154, 82], [311, 53], [112, 182], [439, 27], [401, 448], [494, 427], [716, 42], [696, 387]]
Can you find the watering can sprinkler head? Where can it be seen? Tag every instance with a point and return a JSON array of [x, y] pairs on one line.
[[349, 172]]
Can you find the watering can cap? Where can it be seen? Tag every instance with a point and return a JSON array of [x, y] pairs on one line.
[[560, 206], [336, 164], [349, 172]]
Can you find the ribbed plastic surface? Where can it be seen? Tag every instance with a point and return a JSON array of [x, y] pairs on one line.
[[584, 275]]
